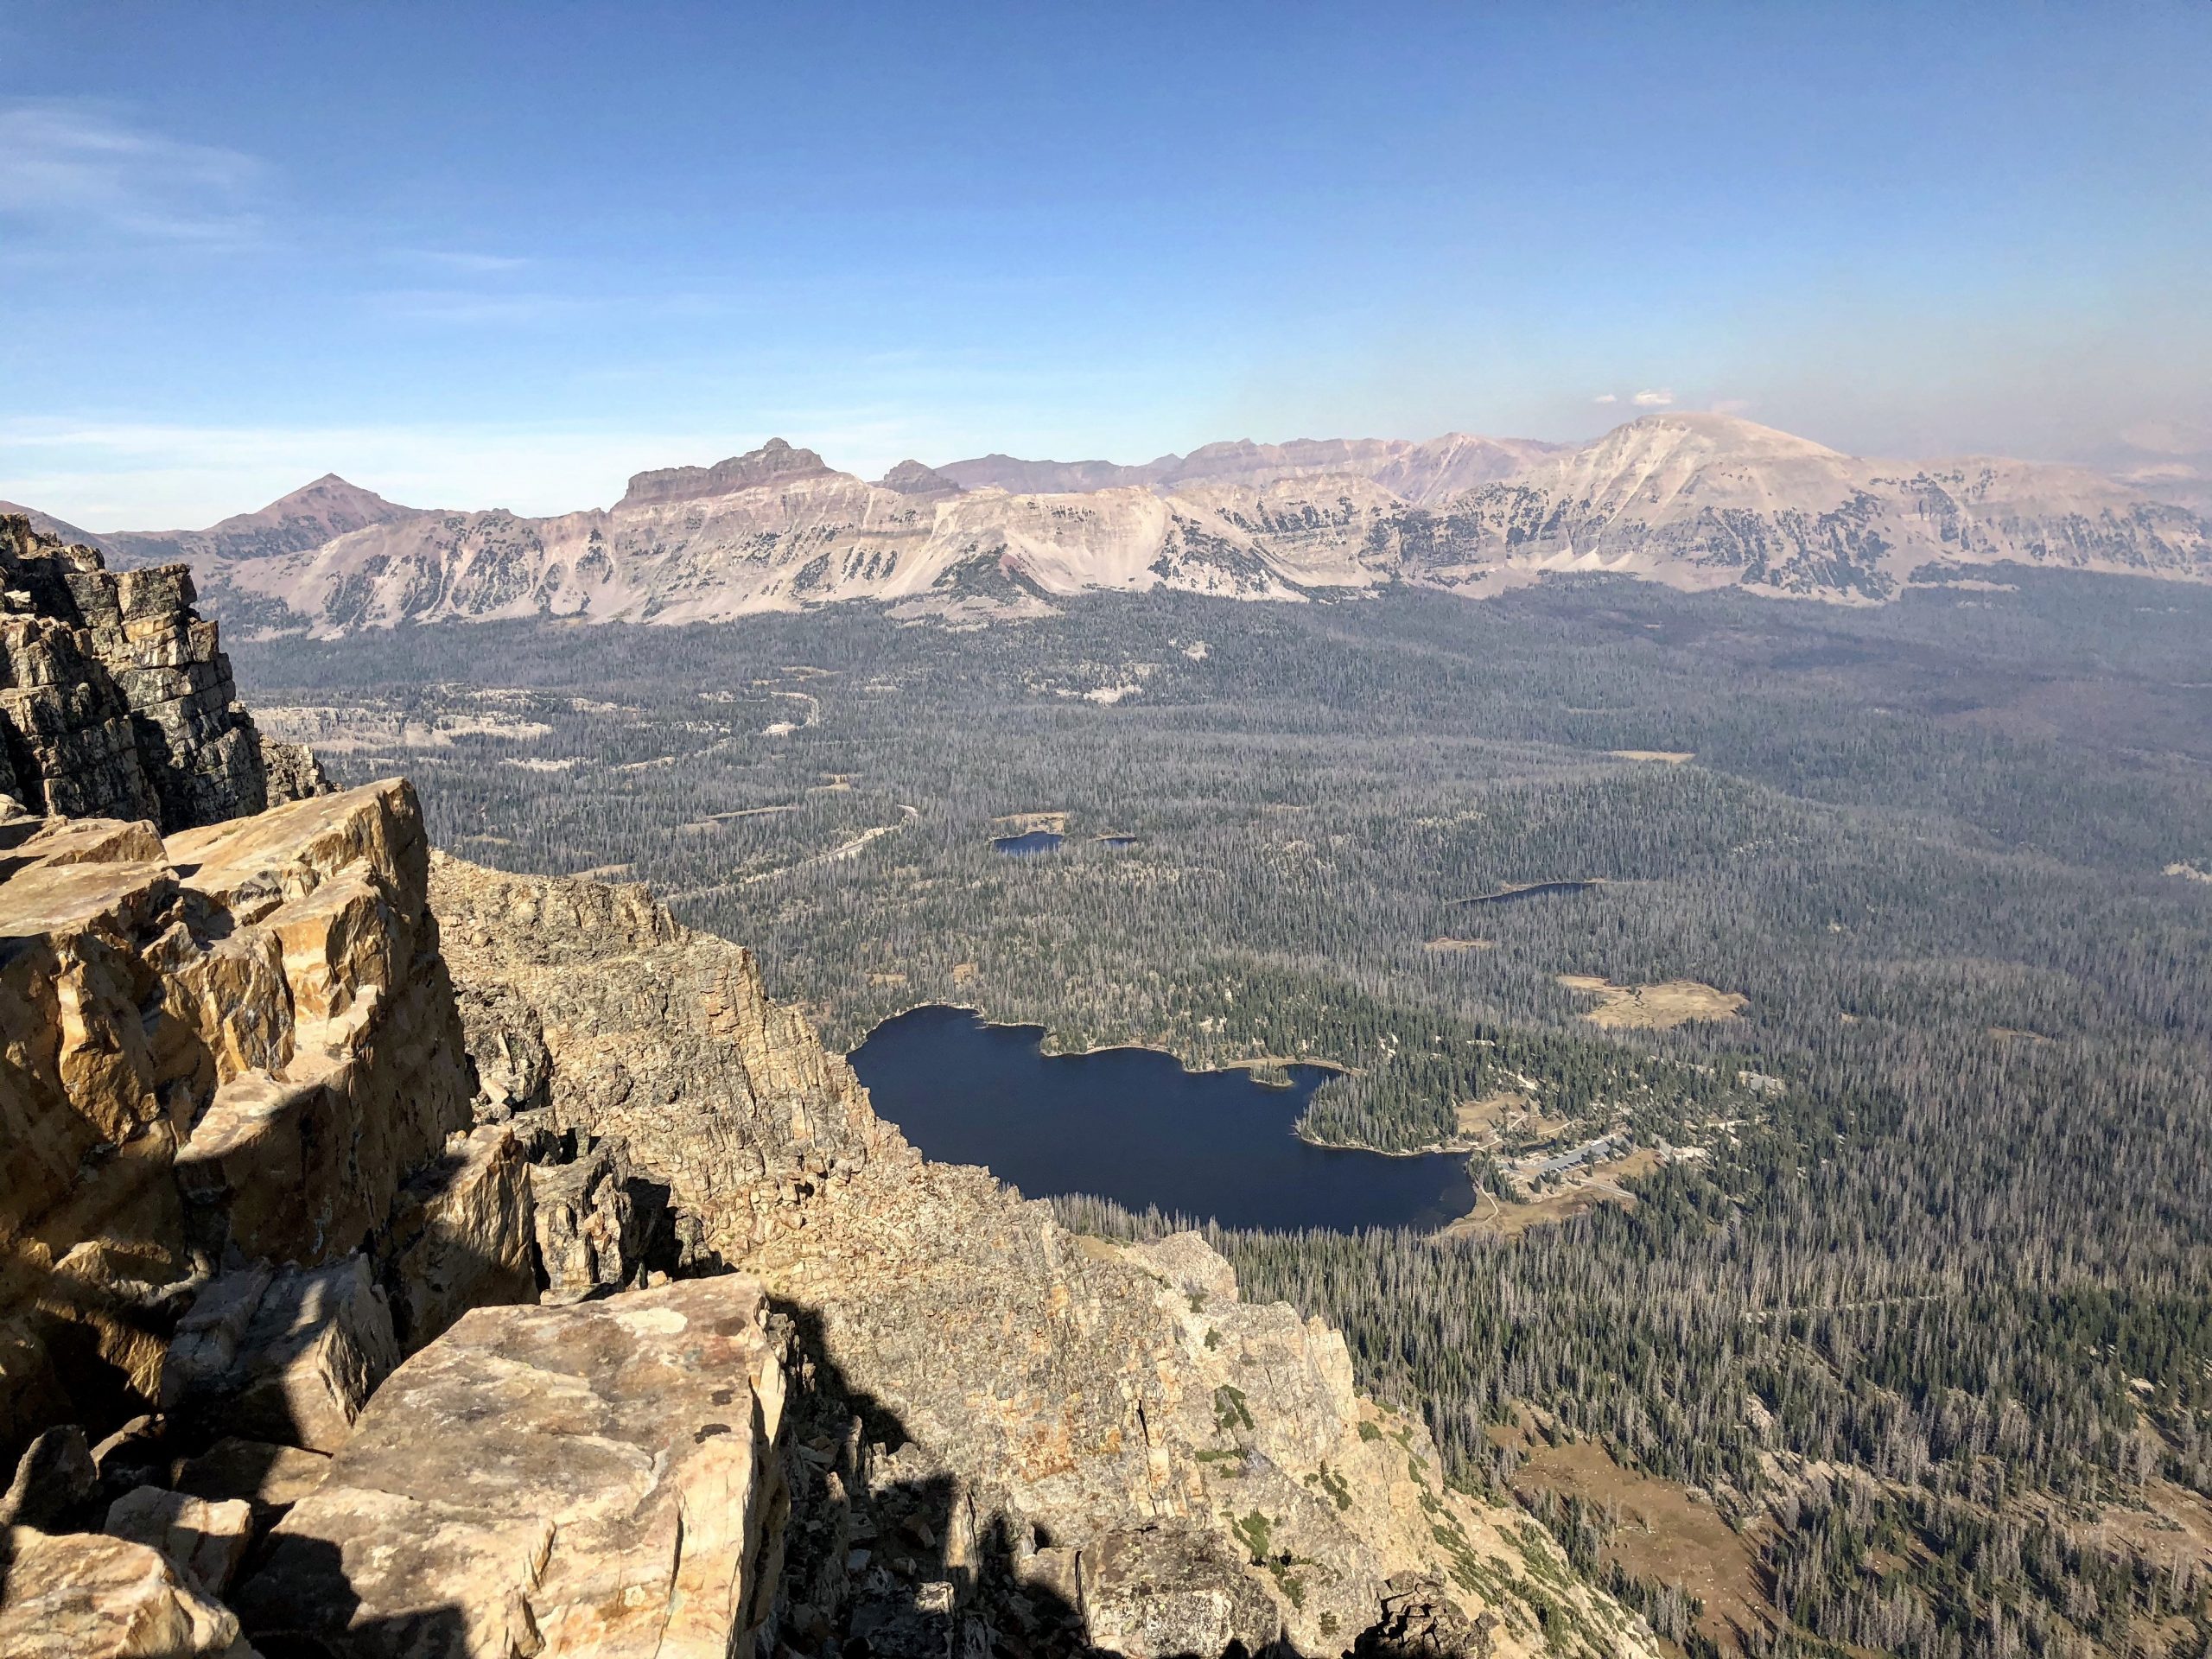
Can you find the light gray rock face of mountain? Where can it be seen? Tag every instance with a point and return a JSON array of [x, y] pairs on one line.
[[1694, 501], [1708, 500], [1416, 473]]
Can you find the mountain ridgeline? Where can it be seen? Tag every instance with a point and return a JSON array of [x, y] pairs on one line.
[[1692, 501]]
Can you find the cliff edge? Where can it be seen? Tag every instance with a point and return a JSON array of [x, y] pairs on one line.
[[403, 1258]]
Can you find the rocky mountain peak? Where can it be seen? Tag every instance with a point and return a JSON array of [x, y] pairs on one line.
[[773, 462], [330, 503], [1722, 433], [912, 478]]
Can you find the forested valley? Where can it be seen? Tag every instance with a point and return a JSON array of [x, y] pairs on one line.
[[1887, 1324]]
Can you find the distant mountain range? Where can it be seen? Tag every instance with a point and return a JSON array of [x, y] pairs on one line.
[[1420, 473], [1692, 500]]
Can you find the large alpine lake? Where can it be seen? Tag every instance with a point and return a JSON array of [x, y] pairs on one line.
[[1132, 1125]]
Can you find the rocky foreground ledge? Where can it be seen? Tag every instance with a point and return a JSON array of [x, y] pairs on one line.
[[401, 1258]]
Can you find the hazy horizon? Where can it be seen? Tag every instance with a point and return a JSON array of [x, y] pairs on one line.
[[456, 257]]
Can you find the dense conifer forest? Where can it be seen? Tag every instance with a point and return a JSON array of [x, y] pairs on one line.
[[1899, 1269]]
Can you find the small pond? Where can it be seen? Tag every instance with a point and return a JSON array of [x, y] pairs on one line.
[[1132, 1125], [1029, 846]]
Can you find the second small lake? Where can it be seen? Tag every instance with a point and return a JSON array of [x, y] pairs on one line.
[[1132, 1125], [1029, 846]]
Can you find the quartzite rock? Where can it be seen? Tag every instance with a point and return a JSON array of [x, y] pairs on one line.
[[587, 1230], [241, 1039], [204, 1541], [79, 1595], [291, 1356], [55, 1477], [116, 700], [598, 1479], [268, 1477], [462, 1234], [661, 1037], [292, 772]]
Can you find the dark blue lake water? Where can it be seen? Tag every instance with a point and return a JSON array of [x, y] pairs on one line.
[[1029, 846], [1134, 1126]]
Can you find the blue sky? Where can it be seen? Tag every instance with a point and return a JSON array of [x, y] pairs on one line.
[[475, 255]]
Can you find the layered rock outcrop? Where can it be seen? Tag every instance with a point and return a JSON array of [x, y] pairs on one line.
[[115, 699], [230, 1047], [660, 1038]]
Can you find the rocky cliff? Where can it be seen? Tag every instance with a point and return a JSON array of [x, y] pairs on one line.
[[1008, 1435], [401, 1258], [115, 698]]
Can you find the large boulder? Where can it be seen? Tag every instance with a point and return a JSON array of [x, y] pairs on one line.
[[596, 1479], [81, 1596], [291, 1357], [463, 1235], [589, 1240], [205, 1542], [268, 1477]]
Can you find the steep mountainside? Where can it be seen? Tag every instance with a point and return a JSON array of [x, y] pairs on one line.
[[1702, 500]]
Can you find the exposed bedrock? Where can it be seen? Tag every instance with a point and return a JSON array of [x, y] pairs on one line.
[[116, 700], [231, 1047], [1006, 1437], [599, 1479]]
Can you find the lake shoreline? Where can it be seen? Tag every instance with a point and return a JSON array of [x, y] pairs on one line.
[[1135, 1124]]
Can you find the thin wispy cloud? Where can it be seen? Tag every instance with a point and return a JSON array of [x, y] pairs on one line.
[[79, 168], [462, 262], [1605, 397], [478, 307], [1657, 397]]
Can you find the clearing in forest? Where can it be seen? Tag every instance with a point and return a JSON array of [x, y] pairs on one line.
[[1583, 1191], [1029, 823], [1447, 944], [1664, 1535], [1656, 1007], [1485, 1122], [1670, 757]]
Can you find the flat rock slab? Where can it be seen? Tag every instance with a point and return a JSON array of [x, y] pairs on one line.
[[594, 1479]]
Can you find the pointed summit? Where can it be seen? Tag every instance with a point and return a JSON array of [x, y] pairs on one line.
[[311, 514], [328, 507]]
